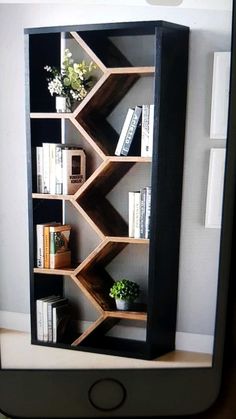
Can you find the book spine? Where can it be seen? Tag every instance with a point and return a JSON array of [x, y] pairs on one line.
[[58, 171], [148, 212], [137, 215], [49, 318], [49, 322], [47, 247], [46, 168], [143, 196], [39, 317], [131, 131], [40, 245], [54, 324], [124, 131], [39, 168], [45, 321], [131, 214], [150, 130], [145, 130], [52, 168]]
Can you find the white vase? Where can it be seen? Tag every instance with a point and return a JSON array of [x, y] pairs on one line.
[[122, 305], [61, 104]]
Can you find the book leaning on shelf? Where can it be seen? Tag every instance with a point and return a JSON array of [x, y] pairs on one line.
[[61, 168], [147, 128], [130, 136], [139, 203]]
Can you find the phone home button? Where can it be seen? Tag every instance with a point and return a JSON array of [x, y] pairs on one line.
[[107, 394]]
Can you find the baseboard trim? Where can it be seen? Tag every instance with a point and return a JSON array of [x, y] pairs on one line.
[[192, 342]]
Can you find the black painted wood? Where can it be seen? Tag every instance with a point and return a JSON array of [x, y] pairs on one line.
[[169, 129]]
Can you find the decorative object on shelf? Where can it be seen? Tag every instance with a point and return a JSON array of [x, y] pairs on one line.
[[220, 95], [62, 104], [215, 188], [71, 83], [125, 292]]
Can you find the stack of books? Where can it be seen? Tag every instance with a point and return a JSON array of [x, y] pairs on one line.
[[136, 137], [53, 245], [139, 213], [60, 168], [52, 314]]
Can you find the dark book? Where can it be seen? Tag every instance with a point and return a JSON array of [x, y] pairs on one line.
[[132, 140], [60, 319]]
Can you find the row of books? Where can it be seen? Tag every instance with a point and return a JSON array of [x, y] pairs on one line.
[[139, 213], [60, 168], [52, 314], [53, 245], [136, 137]]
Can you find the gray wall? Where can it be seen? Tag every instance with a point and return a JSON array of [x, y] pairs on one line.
[[210, 31]]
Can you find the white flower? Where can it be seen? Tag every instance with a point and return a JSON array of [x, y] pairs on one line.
[[55, 86], [67, 53], [48, 68], [82, 93]]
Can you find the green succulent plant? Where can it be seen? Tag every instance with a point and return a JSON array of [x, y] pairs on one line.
[[125, 289]]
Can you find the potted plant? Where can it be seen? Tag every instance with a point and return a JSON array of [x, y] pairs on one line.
[[71, 83], [125, 293]]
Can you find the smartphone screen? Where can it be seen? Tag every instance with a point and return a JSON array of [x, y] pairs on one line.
[[151, 215]]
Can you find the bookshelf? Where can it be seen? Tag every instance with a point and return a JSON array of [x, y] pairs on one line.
[[91, 121]]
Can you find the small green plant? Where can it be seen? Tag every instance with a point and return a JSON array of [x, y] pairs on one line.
[[125, 290]]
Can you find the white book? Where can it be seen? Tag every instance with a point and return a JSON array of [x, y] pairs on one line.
[[124, 131], [40, 243], [52, 168], [137, 215], [50, 304], [58, 170], [143, 199], [131, 213], [147, 130], [46, 168], [39, 317], [151, 131], [39, 168], [148, 212], [45, 317]]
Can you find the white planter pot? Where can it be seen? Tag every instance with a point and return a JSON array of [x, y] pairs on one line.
[[122, 305], [61, 104]]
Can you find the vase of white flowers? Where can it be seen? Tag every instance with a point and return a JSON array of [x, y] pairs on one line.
[[61, 104], [71, 83]]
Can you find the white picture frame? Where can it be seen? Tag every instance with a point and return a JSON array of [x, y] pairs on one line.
[[220, 95], [215, 188]]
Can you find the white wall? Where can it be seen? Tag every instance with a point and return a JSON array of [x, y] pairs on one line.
[[210, 31]]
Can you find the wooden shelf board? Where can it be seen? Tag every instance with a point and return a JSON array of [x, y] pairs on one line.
[[85, 289], [129, 315], [61, 271], [127, 159], [145, 70], [50, 196], [131, 240], [50, 115]]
